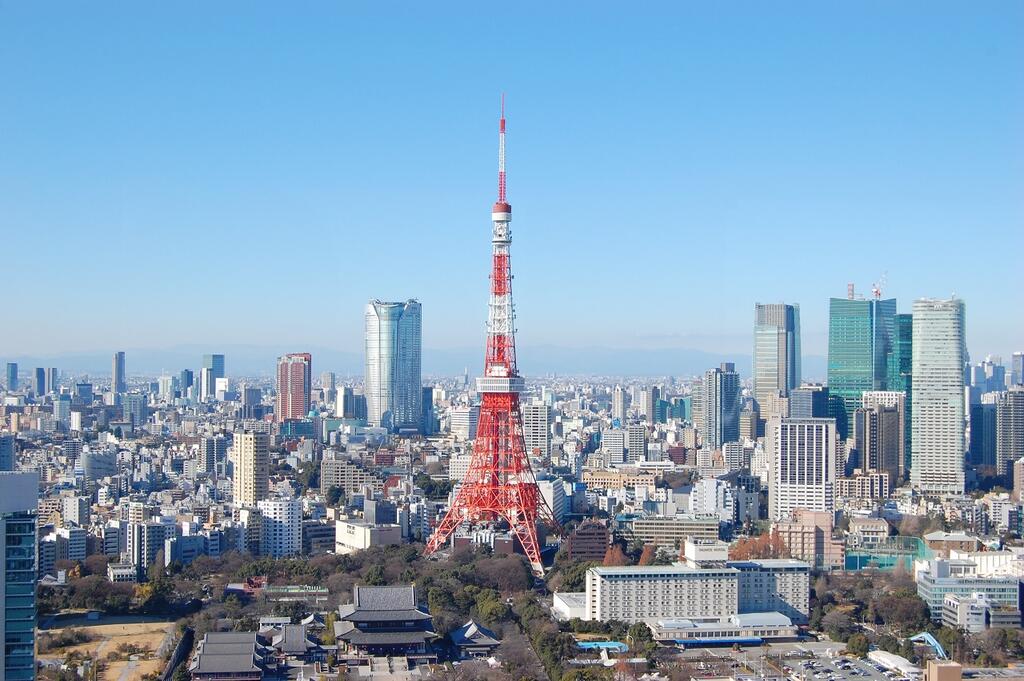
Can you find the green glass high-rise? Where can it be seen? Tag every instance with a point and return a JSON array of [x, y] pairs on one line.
[[860, 336], [899, 372]]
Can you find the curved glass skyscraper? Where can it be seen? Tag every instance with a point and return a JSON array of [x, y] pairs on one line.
[[393, 364]]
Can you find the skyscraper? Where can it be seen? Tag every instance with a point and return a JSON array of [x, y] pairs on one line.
[[809, 401], [117, 379], [937, 422], [981, 449], [393, 373], [776, 350], [619, 404], [1009, 429], [649, 396], [12, 376], [892, 423], [860, 336], [720, 404], [51, 379], [803, 465], [899, 373], [7, 454], [251, 456], [18, 503], [294, 380], [39, 382], [185, 380], [1017, 369], [213, 368]]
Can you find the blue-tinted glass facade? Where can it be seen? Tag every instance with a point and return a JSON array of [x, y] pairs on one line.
[[860, 334], [19, 595]]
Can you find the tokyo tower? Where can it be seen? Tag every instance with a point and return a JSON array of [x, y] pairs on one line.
[[500, 485]]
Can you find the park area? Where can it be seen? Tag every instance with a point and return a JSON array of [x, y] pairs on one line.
[[125, 648]]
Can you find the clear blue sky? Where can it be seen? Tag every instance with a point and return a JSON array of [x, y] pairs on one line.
[[253, 172]]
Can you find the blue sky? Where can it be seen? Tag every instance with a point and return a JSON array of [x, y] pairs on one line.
[[181, 173]]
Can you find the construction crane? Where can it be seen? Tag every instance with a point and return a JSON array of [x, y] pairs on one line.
[[876, 288]]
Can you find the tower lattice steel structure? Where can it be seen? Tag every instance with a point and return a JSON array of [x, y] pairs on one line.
[[500, 485]]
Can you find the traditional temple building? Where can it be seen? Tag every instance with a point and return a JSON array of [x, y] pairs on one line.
[[384, 621]]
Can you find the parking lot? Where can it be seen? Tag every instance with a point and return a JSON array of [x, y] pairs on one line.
[[810, 661]]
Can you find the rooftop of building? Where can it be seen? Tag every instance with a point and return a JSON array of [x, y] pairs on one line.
[[674, 569]]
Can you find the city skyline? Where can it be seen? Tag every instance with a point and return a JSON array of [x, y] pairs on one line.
[[893, 142]]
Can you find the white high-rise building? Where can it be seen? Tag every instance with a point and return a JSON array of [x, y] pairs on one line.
[[537, 429], [619, 404], [463, 421], [281, 527], [803, 465], [613, 445], [937, 419], [393, 373]]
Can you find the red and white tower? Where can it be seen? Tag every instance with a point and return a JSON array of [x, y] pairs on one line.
[[500, 485]]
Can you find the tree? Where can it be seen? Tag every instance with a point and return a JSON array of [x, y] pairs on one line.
[[327, 638], [615, 557], [858, 645], [647, 555], [375, 576], [768, 545], [838, 624], [334, 495]]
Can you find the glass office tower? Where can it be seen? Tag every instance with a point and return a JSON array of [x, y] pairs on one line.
[[393, 373], [860, 336], [776, 350], [18, 494]]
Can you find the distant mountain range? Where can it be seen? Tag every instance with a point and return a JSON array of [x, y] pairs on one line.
[[537, 360]]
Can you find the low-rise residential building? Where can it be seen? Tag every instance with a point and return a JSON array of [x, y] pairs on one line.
[[355, 535]]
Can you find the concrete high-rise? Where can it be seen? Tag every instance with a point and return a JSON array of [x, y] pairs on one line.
[[12, 376], [776, 350], [393, 370], [649, 396], [280, 527], [884, 449], [294, 381], [537, 429], [1009, 428], [118, 384], [937, 422], [250, 453], [18, 504], [720, 406], [619, 404], [636, 442], [803, 465], [1017, 369], [860, 334]]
